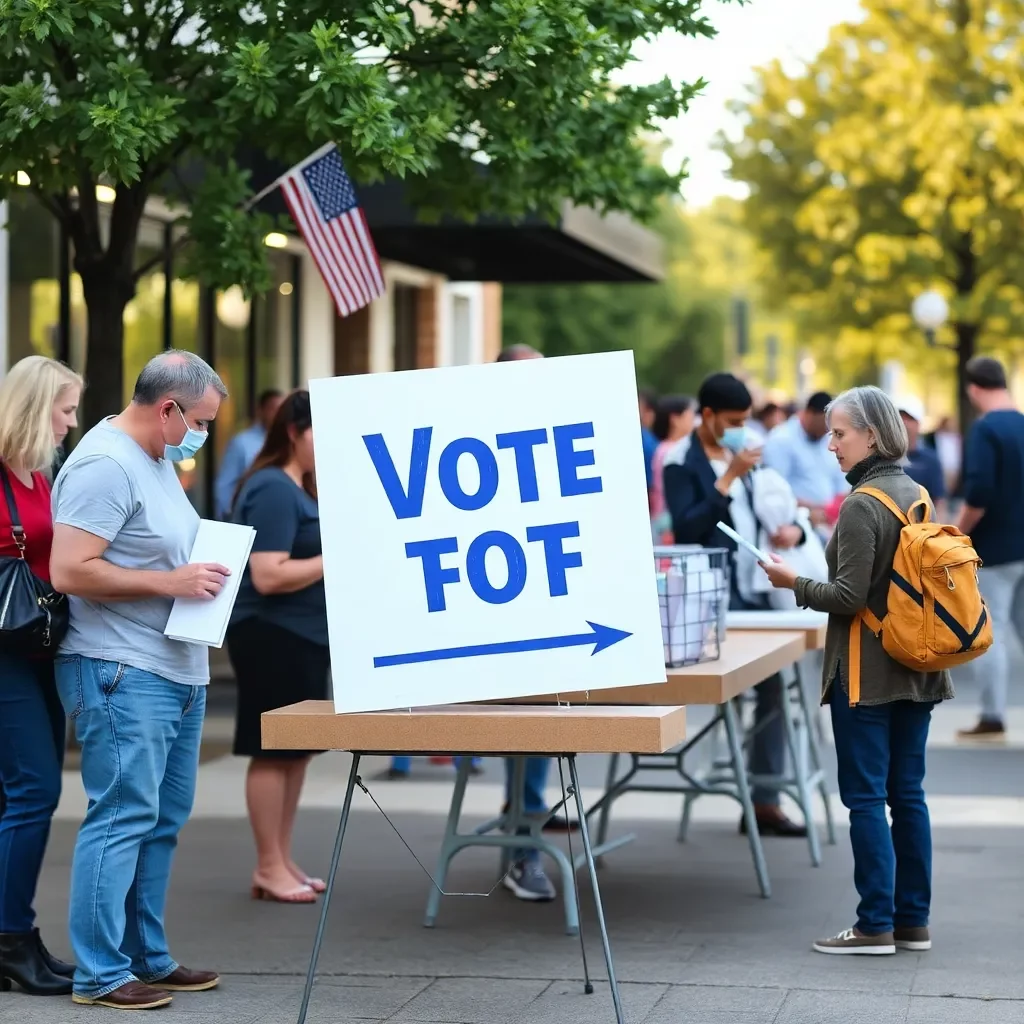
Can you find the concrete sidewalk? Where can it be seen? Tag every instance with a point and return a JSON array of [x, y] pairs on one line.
[[693, 942]]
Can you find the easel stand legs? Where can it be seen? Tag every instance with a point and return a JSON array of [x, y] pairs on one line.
[[346, 808]]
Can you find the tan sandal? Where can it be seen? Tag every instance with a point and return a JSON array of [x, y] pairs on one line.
[[300, 894]]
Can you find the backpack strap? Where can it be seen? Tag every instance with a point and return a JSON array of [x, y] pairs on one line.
[[891, 505], [866, 616]]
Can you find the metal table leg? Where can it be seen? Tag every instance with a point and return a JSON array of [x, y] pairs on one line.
[[346, 807], [734, 736], [815, 737], [795, 740], [603, 818], [449, 847], [592, 867]]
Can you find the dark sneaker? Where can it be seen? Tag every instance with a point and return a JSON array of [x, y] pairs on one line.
[[917, 940], [132, 995], [527, 881], [988, 730], [775, 823], [183, 979], [853, 942]]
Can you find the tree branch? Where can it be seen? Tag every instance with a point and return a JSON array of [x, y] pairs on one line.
[[52, 204], [151, 264]]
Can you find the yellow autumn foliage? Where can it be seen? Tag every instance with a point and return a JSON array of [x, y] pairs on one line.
[[892, 163]]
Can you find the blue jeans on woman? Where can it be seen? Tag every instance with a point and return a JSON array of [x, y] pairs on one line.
[[881, 759], [31, 753], [140, 738]]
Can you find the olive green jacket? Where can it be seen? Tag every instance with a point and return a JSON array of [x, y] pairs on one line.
[[859, 557]]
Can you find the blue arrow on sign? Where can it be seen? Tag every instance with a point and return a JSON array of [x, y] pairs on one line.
[[600, 636]]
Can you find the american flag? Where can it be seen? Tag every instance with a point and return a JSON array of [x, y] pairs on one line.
[[323, 204]]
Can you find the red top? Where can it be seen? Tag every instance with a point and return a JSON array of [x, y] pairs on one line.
[[34, 511]]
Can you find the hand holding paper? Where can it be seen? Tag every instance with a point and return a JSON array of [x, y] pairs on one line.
[[202, 580], [208, 585], [761, 556]]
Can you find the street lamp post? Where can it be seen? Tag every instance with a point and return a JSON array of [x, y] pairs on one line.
[[930, 311]]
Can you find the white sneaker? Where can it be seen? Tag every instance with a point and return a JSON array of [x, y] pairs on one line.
[[527, 881]]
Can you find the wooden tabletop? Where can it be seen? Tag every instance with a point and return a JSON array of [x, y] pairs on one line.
[[747, 658], [477, 729], [814, 636], [761, 622]]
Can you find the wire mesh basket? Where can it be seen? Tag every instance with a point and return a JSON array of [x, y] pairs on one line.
[[693, 592]]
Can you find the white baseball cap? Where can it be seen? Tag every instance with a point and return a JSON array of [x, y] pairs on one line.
[[912, 406]]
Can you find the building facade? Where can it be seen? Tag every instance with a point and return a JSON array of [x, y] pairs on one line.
[[280, 340]]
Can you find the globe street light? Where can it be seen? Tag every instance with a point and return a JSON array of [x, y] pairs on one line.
[[930, 311]]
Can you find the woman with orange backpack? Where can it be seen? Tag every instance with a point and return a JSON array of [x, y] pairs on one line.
[[903, 606]]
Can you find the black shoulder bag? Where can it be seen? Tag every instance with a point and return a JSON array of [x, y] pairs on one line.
[[33, 616]]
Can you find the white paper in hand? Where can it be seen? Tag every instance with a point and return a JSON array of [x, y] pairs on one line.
[[202, 621], [760, 555]]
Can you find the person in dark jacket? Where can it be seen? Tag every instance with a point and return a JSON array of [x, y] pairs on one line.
[[706, 480], [993, 483], [880, 740]]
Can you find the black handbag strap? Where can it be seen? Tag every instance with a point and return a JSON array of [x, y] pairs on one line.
[[17, 530]]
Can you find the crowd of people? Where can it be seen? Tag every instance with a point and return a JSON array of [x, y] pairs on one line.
[[107, 547]]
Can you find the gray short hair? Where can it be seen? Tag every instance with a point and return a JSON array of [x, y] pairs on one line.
[[179, 375], [870, 408], [515, 352]]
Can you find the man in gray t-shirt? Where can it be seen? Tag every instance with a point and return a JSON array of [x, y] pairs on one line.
[[123, 532]]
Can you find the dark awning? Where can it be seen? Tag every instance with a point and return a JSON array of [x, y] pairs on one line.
[[581, 246]]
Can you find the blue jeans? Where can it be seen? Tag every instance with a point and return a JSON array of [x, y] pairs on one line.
[[31, 752], [403, 762], [881, 758], [536, 778], [140, 737]]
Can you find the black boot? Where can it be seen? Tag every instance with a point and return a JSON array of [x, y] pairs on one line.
[[21, 962], [65, 970]]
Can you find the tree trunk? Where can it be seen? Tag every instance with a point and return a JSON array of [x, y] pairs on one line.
[[108, 284], [105, 301], [966, 344], [966, 333]]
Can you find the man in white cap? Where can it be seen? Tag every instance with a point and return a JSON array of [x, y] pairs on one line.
[[923, 464]]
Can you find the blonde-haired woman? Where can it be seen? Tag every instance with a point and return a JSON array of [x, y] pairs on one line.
[[38, 405]]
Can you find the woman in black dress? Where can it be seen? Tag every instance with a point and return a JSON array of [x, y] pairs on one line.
[[277, 639]]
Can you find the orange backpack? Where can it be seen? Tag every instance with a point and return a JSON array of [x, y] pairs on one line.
[[935, 616]]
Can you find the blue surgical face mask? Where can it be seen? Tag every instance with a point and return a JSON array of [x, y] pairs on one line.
[[190, 443], [734, 438]]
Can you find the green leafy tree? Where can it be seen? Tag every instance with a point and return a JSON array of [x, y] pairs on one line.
[[893, 163], [488, 107]]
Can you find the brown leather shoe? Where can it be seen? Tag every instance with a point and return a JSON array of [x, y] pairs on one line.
[[183, 979], [772, 822], [132, 995]]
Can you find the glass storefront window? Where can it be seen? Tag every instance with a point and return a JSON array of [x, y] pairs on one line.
[[232, 315], [33, 304], [144, 315], [274, 321], [253, 346]]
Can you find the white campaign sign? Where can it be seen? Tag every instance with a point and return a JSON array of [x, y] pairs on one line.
[[485, 532]]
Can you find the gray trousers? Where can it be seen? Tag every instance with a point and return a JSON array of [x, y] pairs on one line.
[[998, 587]]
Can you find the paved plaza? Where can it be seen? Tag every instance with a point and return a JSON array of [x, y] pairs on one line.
[[693, 942]]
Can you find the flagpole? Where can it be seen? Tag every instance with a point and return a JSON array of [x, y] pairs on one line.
[[262, 194]]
